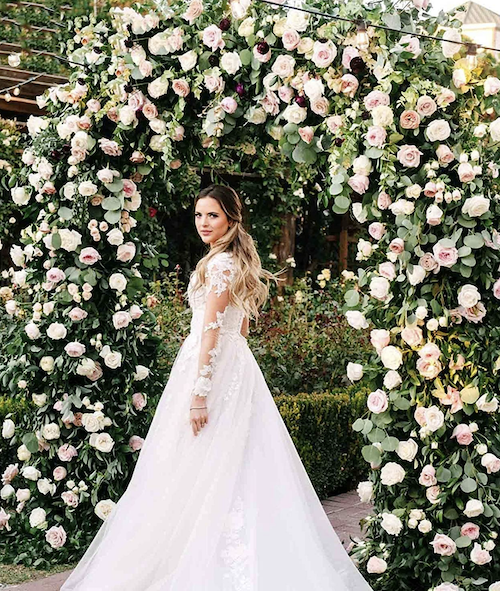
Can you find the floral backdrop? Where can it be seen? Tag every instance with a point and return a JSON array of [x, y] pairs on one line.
[[404, 127]]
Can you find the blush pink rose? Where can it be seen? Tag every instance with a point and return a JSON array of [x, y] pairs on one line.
[[89, 256], [180, 87], [429, 369], [412, 335], [466, 172], [474, 314], [359, 183], [429, 263], [56, 536], [376, 98], [137, 100], [397, 246], [70, 498], [212, 37], [307, 134], [452, 397], [66, 452], [428, 475], [491, 86], [135, 442], [150, 111], [347, 55], [10, 473], [444, 154], [285, 93], [229, 105], [349, 84], [463, 434], [409, 156], [380, 338], [59, 473], [409, 119], [93, 105], [496, 289], [138, 401], [334, 123], [376, 136], [470, 530], [263, 58], [75, 349], [426, 106], [430, 189], [383, 200], [387, 270], [377, 401], [55, 275], [110, 147], [129, 188], [446, 256], [419, 415], [77, 314], [376, 230], [290, 39]]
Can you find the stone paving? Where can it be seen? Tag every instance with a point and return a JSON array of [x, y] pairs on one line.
[[344, 512]]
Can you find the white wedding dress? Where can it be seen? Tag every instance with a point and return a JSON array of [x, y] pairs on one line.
[[231, 509]]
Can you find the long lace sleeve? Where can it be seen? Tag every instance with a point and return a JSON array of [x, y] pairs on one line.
[[220, 273]]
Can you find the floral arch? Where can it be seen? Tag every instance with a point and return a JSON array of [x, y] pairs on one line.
[[406, 126]]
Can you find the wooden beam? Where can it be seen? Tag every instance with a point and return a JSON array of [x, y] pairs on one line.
[[20, 105]]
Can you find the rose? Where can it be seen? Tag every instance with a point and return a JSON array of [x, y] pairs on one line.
[[463, 434], [474, 314], [284, 66], [485, 406], [402, 207], [334, 123], [359, 183], [426, 106], [37, 518], [55, 275], [118, 282], [479, 555], [376, 136], [89, 256], [490, 462], [141, 373], [56, 331], [476, 206], [392, 380], [70, 498], [102, 442], [429, 369], [412, 335], [212, 37], [434, 418], [320, 106], [495, 130], [354, 371], [409, 156], [77, 314], [347, 55], [473, 508], [380, 338], [307, 134], [32, 331], [104, 508], [376, 98], [180, 87], [348, 85], [135, 442], [231, 62], [365, 491], [491, 86], [314, 88], [8, 428], [468, 295], [444, 154], [66, 452], [416, 275], [409, 119], [438, 130], [112, 359], [379, 288], [127, 116], [392, 473], [70, 239], [391, 357], [356, 319], [391, 523], [115, 237], [445, 256], [126, 252], [121, 320], [411, 44], [323, 53], [47, 363], [407, 450], [466, 172], [59, 473], [387, 270], [443, 545], [110, 147], [229, 105], [75, 349], [285, 93], [377, 401], [294, 114], [470, 530], [188, 60]]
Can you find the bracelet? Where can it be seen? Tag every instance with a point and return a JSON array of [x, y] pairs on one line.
[[196, 407]]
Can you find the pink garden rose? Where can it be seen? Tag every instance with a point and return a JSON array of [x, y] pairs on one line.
[[110, 147], [70, 498], [479, 555], [463, 434], [89, 256], [324, 53], [376, 136], [359, 183], [137, 100], [56, 536], [491, 86], [349, 84], [409, 119], [421, 5], [77, 314], [194, 10], [290, 39], [430, 351], [66, 452], [383, 200], [429, 263], [412, 44], [397, 246], [55, 275], [491, 463], [429, 369], [125, 252], [136, 442], [474, 314], [263, 58], [335, 122], [428, 475], [387, 270], [470, 530], [93, 105], [412, 335], [59, 473], [376, 230], [496, 289], [138, 401], [409, 156], [180, 87], [380, 338], [150, 111], [420, 416], [443, 545], [466, 172], [426, 106], [452, 398], [376, 98], [444, 154], [75, 349], [377, 401], [10, 473], [285, 93], [347, 55], [4, 520], [307, 134], [229, 105], [212, 37], [446, 256], [430, 189]]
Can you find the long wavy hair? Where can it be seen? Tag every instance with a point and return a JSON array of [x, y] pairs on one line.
[[250, 287]]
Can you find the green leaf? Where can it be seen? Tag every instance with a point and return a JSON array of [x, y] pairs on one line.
[[358, 425], [113, 217], [246, 57], [56, 240], [371, 454], [390, 444], [31, 442], [342, 202], [65, 213], [451, 513], [443, 474], [116, 186], [474, 241], [463, 542], [351, 298], [304, 154], [111, 203], [468, 485]]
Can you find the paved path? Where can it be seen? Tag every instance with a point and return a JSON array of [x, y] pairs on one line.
[[344, 512]]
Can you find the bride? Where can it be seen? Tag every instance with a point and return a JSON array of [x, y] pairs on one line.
[[219, 499]]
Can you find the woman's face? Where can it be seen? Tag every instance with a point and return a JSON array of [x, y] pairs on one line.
[[211, 221]]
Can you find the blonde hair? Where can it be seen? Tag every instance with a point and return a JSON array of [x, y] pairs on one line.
[[250, 286]]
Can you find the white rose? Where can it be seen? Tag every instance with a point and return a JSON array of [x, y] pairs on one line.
[[127, 115], [295, 114], [314, 88], [491, 406], [392, 473], [32, 331], [45, 486], [31, 473], [382, 116], [417, 275], [474, 508], [495, 130], [391, 357], [87, 188], [376, 565], [20, 195], [37, 518], [468, 296], [92, 422], [434, 418], [391, 524], [188, 60], [7, 491], [56, 331], [392, 380], [115, 237], [104, 508], [102, 442], [354, 371], [362, 165], [425, 526], [407, 450], [476, 206], [39, 399], [402, 207], [231, 62], [356, 319], [23, 453], [112, 359], [379, 288], [118, 282], [8, 428], [365, 491], [438, 130], [70, 239], [121, 320], [47, 363], [51, 431]]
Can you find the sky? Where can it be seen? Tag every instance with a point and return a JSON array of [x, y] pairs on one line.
[[438, 5]]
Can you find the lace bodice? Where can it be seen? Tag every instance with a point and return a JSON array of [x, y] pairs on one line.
[[213, 316]]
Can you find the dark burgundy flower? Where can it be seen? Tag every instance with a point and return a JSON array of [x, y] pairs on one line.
[[97, 50], [66, 148], [128, 43], [128, 88], [152, 212], [213, 60], [365, 115], [357, 65], [224, 24], [339, 141], [262, 47], [81, 81], [56, 154], [301, 101], [240, 89]]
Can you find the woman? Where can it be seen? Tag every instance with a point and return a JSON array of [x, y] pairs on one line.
[[219, 499]]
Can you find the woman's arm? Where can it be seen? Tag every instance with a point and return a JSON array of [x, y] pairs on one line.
[[244, 327]]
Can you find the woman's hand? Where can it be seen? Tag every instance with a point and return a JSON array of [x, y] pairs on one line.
[[198, 416]]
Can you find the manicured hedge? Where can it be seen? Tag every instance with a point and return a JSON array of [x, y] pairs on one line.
[[321, 428]]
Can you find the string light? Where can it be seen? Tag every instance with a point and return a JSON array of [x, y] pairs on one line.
[[7, 97], [362, 38], [376, 26], [472, 56], [16, 91]]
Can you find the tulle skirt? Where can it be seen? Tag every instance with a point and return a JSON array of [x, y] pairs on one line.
[[231, 509]]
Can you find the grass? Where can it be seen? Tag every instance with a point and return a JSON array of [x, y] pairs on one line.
[[15, 574]]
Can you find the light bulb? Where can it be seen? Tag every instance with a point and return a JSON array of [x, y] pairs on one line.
[[16, 91], [7, 97], [471, 56], [362, 38]]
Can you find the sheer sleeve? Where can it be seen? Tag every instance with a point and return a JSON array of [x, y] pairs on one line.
[[220, 273]]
